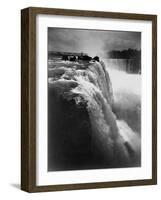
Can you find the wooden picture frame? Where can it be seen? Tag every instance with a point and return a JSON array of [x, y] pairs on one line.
[[28, 99]]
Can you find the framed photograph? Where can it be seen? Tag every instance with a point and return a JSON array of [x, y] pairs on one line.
[[89, 99]]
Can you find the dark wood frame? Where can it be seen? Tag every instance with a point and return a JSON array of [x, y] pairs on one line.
[[28, 98]]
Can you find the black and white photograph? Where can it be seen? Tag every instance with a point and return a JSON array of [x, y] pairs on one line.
[[89, 99], [94, 99]]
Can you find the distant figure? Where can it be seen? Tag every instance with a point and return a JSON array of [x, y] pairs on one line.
[[96, 58], [65, 57]]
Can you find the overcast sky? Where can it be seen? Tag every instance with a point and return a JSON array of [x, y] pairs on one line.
[[90, 41]]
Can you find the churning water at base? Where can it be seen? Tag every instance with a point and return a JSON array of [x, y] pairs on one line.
[[112, 99]]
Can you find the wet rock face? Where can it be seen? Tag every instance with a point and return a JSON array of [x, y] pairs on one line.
[[69, 133]]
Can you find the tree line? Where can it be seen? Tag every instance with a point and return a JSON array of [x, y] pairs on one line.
[[125, 54]]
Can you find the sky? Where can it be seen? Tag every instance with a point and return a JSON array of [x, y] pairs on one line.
[[92, 42]]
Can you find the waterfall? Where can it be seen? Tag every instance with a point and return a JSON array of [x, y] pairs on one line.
[[127, 65], [91, 83]]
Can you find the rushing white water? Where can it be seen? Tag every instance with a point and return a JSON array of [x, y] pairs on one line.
[[91, 83]]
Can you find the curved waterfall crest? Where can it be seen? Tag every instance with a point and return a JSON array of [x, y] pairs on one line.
[[91, 84]]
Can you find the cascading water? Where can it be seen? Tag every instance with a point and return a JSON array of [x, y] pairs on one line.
[[90, 84]]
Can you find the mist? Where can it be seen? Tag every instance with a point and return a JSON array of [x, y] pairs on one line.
[[92, 42]]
